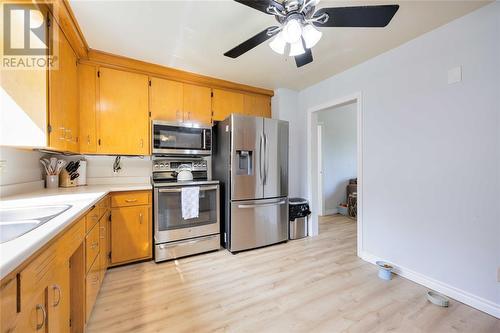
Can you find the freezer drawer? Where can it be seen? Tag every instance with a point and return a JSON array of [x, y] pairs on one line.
[[256, 223]]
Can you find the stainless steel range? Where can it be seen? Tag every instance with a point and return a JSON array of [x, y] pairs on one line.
[[174, 235]]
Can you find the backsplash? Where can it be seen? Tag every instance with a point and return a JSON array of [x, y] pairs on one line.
[[21, 171]]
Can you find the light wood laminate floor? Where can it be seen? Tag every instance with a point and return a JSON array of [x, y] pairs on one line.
[[317, 284]]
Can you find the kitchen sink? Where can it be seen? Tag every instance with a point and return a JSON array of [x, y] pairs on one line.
[[15, 222]]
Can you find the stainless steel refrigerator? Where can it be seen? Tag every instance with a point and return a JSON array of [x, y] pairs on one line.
[[250, 158]]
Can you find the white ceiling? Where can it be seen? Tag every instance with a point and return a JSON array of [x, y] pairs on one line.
[[193, 35]]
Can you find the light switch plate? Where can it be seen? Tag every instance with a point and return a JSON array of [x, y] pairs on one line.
[[455, 75]]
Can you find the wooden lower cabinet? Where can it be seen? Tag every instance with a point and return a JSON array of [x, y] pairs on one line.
[[58, 299], [55, 291], [131, 233]]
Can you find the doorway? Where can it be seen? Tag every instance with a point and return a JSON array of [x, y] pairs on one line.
[[316, 136]]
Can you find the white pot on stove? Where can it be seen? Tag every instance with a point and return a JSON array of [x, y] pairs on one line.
[[184, 173]]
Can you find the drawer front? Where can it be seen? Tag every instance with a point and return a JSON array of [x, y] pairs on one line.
[[92, 218], [104, 205], [136, 198], [91, 247], [92, 283], [185, 248], [71, 240], [37, 275]]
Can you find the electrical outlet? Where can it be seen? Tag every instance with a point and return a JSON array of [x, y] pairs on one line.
[[455, 75]]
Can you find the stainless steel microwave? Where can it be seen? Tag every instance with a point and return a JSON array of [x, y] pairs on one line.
[[178, 139]]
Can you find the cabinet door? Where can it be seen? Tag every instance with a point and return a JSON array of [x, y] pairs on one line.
[[104, 244], [197, 104], [166, 100], [57, 133], [58, 300], [257, 105], [123, 123], [34, 316], [69, 87], [226, 102], [130, 234], [87, 84]]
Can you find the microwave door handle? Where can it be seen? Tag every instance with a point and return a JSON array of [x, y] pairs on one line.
[[204, 139]]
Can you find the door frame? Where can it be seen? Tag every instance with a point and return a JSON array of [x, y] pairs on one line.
[[312, 151], [321, 199]]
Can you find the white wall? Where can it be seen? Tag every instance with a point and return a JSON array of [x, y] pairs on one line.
[[431, 154], [285, 107], [339, 153]]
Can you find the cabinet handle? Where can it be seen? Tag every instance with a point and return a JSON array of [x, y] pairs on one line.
[[63, 132], [95, 217], [59, 294], [68, 131], [130, 200], [102, 235], [140, 218], [142, 143], [44, 316], [88, 139], [94, 245]]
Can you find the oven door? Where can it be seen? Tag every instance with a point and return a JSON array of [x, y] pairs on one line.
[[175, 139], [169, 224]]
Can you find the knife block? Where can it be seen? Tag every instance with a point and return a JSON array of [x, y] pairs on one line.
[[65, 179]]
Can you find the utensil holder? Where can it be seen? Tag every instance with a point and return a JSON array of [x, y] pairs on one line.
[[65, 179], [51, 181]]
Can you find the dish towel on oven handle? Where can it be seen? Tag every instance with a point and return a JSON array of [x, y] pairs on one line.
[[190, 201]]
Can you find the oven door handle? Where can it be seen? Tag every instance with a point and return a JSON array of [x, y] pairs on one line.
[[179, 189]]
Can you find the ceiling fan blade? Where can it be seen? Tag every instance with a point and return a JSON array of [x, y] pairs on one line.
[[304, 58], [261, 5], [359, 16], [249, 44]]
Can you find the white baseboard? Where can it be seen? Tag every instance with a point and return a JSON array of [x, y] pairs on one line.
[[465, 297], [331, 211]]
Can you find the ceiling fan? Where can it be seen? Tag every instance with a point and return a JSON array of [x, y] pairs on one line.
[[298, 19]]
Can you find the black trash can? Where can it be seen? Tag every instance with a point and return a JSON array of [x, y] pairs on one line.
[[298, 216]]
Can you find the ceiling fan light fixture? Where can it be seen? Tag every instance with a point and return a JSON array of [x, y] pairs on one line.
[[292, 31], [311, 35], [278, 44], [297, 48]]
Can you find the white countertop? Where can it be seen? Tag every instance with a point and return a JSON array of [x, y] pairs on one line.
[[14, 252]]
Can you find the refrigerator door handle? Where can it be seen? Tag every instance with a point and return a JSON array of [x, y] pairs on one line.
[[262, 159], [266, 159], [281, 202]]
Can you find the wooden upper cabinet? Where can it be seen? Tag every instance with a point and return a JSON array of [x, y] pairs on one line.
[[123, 118], [70, 95], [180, 102], [226, 102], [63, 95], [166, 100], [87, 84], [257, 105], [197, 104]]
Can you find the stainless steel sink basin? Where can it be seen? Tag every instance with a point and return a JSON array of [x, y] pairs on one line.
[[15, 222]]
